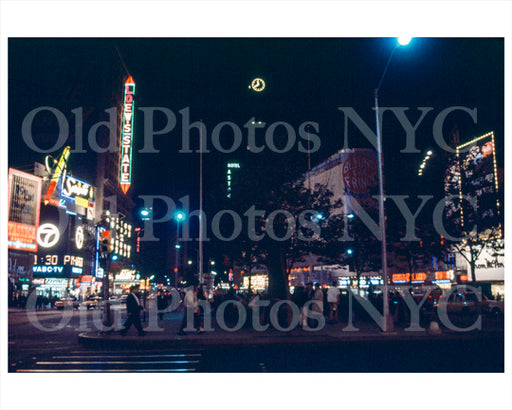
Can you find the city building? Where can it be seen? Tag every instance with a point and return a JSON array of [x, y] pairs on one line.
[[53, 237]]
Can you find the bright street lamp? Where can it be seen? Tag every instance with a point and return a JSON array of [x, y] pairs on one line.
[[388, 320], [403, 41], [179, 216]]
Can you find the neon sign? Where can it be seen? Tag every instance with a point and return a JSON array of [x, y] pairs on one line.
[[61, 166], [125, 176], [48, 235], [79, 191], [48, 269], [418, 277], [125, 275], [401, 277], [79, 237]]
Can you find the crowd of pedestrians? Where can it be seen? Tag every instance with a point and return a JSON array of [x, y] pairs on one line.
[[322, 301]]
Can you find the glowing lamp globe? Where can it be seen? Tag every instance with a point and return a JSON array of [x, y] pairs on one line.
[[403, 41]]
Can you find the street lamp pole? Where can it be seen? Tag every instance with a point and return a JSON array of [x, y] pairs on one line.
[[177, 247], [388, 321], [179, 217]]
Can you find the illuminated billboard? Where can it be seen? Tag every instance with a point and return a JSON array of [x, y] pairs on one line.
[[351, 174], [360, 178], [125, 176], [64, 244], [79, 192], [473, 176], [24, 208]]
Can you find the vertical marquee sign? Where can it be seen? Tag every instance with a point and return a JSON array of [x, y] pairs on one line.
[[125, 176], [24, 203]]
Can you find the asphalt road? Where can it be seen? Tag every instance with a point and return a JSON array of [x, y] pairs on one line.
[[36, 350]]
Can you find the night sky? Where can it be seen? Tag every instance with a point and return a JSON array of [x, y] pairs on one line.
[[307, 79]]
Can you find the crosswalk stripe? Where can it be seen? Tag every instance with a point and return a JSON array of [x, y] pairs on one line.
[[116, 361], [102, 370], [119, 362], [126, 356]]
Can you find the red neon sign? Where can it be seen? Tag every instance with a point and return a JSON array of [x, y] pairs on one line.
[[125, 176]]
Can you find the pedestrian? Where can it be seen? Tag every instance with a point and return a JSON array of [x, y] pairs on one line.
[[191, 308], [39, 302], [308, 296], [333, 299], [200, 310], [133, 309], [318, 297], [299, 298], [161, 302]]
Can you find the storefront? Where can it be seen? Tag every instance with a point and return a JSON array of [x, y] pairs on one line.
[[56, 287]]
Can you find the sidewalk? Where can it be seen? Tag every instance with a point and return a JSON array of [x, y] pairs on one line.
[[164, 333]]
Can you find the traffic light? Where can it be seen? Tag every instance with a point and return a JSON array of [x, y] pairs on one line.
[[106, 242]]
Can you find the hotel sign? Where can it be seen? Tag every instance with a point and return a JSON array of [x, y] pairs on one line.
[[24, 207], [125, 176]]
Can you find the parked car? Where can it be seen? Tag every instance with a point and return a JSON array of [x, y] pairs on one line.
[[65, 302], [464, 302], [496, 308], [93, 302]]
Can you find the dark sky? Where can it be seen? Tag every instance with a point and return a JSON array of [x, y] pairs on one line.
[[306, 78]]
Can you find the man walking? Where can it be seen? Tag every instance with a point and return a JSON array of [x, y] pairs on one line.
[[133, 308]]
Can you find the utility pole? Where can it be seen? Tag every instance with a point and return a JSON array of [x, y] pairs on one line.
[[105, 250]]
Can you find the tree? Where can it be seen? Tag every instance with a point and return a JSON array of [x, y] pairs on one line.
[[472, 246], [283, 221]]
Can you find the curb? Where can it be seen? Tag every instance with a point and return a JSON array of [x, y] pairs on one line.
[[105, 340]]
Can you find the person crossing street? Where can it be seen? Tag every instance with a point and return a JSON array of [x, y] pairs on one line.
[[133, 308]]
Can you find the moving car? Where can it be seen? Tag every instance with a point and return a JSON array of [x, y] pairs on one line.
[[65, 302], [93, 302], [115, 300]]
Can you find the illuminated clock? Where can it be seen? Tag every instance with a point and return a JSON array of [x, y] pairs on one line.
[[257, 85]]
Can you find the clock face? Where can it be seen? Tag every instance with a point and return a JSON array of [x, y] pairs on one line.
[[257, 85]]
